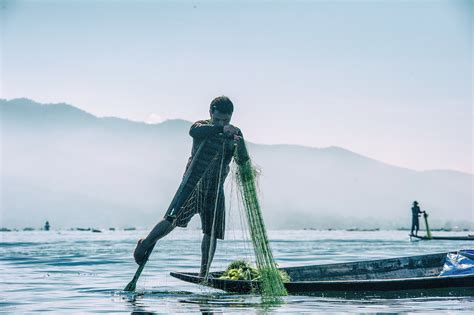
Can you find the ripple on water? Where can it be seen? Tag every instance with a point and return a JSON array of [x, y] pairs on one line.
[[81, 272]]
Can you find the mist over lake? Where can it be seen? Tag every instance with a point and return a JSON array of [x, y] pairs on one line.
[[74, 169]]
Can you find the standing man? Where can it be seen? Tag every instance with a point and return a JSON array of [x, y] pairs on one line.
[[415, 215], [212, 200]]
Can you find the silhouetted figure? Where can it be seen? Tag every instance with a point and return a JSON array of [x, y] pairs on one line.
[[46, 226], [415, 214], [212, 202]]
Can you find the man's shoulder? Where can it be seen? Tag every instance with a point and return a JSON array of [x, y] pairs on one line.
[[240, 131]]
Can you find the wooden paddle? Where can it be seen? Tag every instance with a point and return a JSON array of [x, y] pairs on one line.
[[132, 285], [428, 232]]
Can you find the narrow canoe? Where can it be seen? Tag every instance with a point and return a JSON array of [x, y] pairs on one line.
[[395, 277], [446, 238]]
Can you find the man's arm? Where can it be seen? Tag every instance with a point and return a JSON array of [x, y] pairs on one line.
[[202, 129]]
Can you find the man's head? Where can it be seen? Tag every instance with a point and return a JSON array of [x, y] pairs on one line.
[[415, 203], [221, 110]]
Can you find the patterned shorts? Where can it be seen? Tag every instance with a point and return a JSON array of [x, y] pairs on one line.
[[206, 204]]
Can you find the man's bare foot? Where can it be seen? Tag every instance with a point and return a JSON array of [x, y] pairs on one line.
[[140, 252]]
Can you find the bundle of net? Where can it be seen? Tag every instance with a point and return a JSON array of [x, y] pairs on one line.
[[269, 277]]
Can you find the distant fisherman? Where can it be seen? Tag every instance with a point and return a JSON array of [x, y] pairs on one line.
[[415, 215], [46, 226], [212, 202]]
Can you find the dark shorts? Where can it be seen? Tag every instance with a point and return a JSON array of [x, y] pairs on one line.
[[206, 206]]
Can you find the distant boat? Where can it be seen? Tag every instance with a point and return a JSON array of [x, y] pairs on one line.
[[5, 230], [446, 238], [82, 229], [362, 230], [129, 229], [429, 236], [96, 231], [111, 229], [28, 229], [394, 277]]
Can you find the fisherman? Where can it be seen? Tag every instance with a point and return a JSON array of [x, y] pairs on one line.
[[218, 125], [46, 226], [415, 214]]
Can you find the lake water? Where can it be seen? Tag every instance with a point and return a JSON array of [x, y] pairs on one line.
[[74, 271]]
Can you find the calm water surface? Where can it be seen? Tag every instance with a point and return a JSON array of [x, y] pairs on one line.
[[84, 272]]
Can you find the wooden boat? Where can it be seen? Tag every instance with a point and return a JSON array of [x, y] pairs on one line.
[[396, 277], [446, 238]]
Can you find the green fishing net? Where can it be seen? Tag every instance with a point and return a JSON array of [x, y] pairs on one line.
[[271, 282]]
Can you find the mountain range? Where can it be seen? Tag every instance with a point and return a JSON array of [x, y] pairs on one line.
[[62, 164]]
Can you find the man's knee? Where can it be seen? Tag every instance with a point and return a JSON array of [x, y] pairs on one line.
[[168, 219]]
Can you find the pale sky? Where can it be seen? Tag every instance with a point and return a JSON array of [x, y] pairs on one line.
[[391, 80]]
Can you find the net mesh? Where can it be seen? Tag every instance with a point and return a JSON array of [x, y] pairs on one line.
[[200, 196], [271, 283], [204, 199]]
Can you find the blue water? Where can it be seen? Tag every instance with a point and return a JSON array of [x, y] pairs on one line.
[[73, 271]]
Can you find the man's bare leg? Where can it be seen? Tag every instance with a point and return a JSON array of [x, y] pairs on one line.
[[160, 230], [208, 250]]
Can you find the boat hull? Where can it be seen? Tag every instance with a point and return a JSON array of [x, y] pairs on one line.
[[398, 277], [445, 238]]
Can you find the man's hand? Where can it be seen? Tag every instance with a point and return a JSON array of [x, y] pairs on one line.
[[230, 130]]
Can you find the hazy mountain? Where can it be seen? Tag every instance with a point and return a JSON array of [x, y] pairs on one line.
[[74, 169]]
